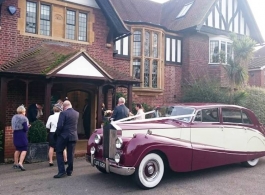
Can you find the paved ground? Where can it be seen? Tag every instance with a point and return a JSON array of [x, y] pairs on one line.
[[37, 180]]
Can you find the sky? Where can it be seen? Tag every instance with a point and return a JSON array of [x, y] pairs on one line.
[[258, 10]]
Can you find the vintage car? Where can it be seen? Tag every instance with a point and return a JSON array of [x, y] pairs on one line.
[[184, 137]]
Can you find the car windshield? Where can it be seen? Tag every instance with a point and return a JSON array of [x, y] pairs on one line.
[[176, 111]]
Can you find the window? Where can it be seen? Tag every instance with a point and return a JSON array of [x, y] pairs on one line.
[[184, 10], [122, 46], [31, 18], [76, 25], [220, 51], [235, 116], [44, 19], [173, 50], [146, 59], [207, 115]]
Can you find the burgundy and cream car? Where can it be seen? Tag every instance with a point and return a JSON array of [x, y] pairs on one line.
[[183, 137]]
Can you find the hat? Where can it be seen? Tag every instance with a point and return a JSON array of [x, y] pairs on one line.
[[58, 106]]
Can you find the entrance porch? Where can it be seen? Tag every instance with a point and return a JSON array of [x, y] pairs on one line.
[[55, 71]]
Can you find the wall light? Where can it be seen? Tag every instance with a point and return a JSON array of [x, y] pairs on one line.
[[12, 9]]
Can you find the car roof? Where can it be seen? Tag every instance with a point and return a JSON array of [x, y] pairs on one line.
[[207, 105]]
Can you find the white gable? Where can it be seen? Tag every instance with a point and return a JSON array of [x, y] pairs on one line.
[[90, 3], [80, 67]]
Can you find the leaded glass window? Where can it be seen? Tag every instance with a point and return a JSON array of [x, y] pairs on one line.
[[31, 17], [137, 70], [154, 74], [45, 20], [155, 45], [147, 44], [82, 27], [137, 48], [70, 24], [146, 72]]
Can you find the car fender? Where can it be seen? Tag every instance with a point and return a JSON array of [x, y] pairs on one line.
[[178, 152]]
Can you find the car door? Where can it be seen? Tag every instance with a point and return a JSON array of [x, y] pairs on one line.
[[207, 139], [235, 135]]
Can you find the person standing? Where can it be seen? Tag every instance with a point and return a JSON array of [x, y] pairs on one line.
[[20, 126], [86, 118], [120, 111], [34, 112], [140, 112], [66, 132], [52, 125]]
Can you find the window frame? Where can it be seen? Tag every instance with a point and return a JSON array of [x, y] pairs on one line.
[[36, 17], [151, 58], [220, 40], [241, 113], [121, 42], [176, 50], [183, 12], [211, 122], [50, 18]]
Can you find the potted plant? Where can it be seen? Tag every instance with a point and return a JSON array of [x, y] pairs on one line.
[[38, 146]]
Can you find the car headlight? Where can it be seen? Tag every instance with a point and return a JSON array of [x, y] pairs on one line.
[[117, 157], [92, 150], [97, 139], [119, 143]]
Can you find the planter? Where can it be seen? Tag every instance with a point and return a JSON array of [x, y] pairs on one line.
[[37, 152]]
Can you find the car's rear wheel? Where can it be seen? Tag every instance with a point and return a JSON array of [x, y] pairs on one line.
[[150, 171], [101, 169], [251, 163]]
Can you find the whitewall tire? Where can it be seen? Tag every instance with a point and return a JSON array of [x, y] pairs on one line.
[[251, 163], [150, 171]]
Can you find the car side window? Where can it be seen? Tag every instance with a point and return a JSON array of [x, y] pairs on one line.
[[198, 117], [207, 115], [246, 119], [231, 115], [210, 115]]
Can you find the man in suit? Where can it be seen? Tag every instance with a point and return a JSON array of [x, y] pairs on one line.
[[34, 112], [120, 111], [86, 118], [66, 133]]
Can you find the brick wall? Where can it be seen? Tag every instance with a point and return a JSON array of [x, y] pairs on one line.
[[256, 78], [9, 146]]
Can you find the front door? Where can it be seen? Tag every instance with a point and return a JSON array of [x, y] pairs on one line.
[[81, 102]]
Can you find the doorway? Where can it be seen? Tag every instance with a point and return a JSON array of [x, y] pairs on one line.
[[81, 102]]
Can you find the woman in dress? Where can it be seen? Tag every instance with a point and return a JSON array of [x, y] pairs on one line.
[[20, 126], [140, 112], [52, 125]]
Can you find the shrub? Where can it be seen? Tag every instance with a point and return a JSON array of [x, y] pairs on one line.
[[255, 101], [209, 92], [37, 132], [1, 142]]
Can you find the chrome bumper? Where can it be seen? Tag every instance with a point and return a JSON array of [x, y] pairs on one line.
[[112, 167]]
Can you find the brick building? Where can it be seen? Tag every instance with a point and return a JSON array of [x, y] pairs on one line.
[[50, 49], [256, 69]]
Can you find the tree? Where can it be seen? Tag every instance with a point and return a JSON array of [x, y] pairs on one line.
[[237, 66]]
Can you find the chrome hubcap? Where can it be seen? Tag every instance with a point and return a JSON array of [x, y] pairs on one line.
[[150, 170]]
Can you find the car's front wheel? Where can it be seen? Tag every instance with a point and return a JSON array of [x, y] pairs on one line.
[[251, 163], [150, 171]]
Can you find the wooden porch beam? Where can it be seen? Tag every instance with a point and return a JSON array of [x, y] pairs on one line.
[[47, 100], [3, 103], [129, 97], [99, 106]]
